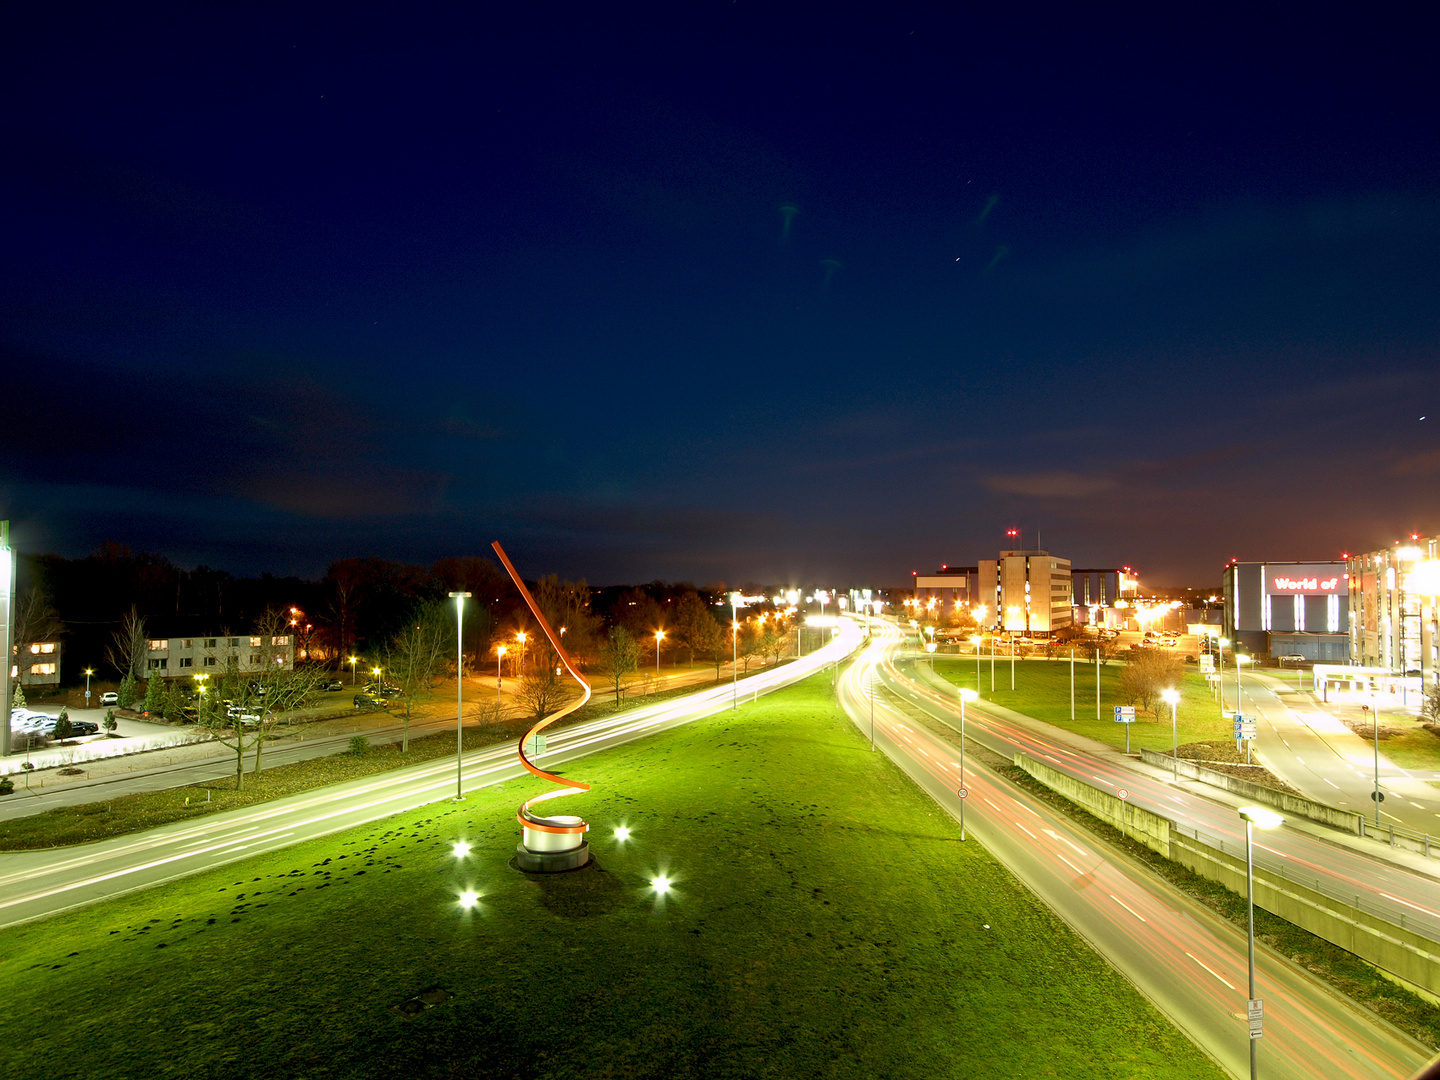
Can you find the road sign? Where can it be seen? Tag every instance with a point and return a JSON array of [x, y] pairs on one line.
[[1123, 793], [964, 793], [535, 746], [1255, 1013], [1377, 796], [1207, 663], [1124, 714], [1244, 727]]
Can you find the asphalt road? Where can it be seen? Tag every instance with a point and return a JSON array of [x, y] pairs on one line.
[[36, 884], [1313, 752], [1189, 963]]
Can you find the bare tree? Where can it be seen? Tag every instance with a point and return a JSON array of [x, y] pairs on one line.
[[417, 659], [129, 646], [35, 618], [712, 642], [618, 658], [1147, 672], [541, 691], [691, 615]]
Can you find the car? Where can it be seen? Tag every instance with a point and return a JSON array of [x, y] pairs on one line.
[[382, 690], [1292, 658], [83, 727], [333, 684], [369, 700], [109, 697]]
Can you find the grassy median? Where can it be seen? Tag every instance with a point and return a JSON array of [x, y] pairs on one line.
[[1042, 690], [824, 922]]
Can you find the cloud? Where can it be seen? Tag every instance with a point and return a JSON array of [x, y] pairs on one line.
[[1050, 485]]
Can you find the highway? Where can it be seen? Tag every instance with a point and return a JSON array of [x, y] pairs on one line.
[[1396, 893], [36, 884], [1312, 751], [1188, 962]]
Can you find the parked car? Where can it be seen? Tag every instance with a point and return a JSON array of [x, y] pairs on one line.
[[1291, 658], [382, 690], [333, 684], [369, 700], [109, 697], [83, 727]]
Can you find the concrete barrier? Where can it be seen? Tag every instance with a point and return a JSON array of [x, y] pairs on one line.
[[1408, 956], [1281, 800]]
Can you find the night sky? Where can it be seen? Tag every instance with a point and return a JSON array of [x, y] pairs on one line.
[[719, 290]]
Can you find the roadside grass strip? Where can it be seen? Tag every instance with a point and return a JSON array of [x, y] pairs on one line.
[[818, 917]]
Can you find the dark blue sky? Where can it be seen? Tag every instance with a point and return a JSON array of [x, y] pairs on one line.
[[719, 290]]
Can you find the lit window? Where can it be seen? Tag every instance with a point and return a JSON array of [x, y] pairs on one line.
[[42, 669], [254, 641], [35, 650], [283, 639], [48, 647], [159, 646]]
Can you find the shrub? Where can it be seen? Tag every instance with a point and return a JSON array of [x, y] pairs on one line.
[[359, 746], [6, 785], [127, 691], [63, 730], [110, 723], [18, 700]]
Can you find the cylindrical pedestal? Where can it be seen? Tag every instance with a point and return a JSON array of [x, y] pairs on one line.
[[547, 852]]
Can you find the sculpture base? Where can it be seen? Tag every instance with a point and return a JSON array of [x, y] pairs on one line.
[[550, 862]]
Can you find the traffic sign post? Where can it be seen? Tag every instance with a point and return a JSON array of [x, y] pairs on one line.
[[1125, 714], [1255, 1013]]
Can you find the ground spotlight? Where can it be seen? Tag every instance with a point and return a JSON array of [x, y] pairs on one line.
[[460, 849], [660, 884], [469, 898], [622, 833]]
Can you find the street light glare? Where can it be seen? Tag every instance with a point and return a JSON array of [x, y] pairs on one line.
[[1170, 697], [966, 694], [1261, 818]]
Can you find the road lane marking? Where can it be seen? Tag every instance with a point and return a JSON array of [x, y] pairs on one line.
[[1207, 968], [991, 803], [1026, 831], [1023, 806], [1407, 903], [1331, 783], [1132, 911]]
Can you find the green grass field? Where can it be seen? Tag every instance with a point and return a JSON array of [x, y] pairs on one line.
[[1042, 690], [825, 922]]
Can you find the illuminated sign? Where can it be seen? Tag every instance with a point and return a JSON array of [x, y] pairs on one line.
[[1306, 579]]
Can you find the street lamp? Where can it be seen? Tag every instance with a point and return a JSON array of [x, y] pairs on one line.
[[976, 640], [966, 694], [1255, 1010], [88, 673], [353, 661], [375, 671], [659, 636], [1173, 697], [459, 598], [736, 603], [500, 651], [520, 637]]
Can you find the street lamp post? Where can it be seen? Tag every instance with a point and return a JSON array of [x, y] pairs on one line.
[[88, 673], [500, 652], [353, 661], [1173, 697], [1375, 732], [659, 637], [459, 598], [1265, 819], [965, 695], [520, 637], [736, 603]]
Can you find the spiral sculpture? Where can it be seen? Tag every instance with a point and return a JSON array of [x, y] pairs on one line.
[[553, 852]]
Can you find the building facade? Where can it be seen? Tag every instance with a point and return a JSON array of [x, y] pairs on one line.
[[954, 587], [37, 663], [1026, 592], [1393, 597], [1277, 609], [181, 656]]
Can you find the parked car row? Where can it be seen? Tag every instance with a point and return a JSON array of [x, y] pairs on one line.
[[38, 723]]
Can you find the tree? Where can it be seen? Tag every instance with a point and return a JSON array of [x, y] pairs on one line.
[[228, 725], [17, 699], [154, 695], [417, 657], [35, 618], [772, 643], [109, 724], [566, 606], [63, 727], [747, 645], [712, 642], [540, 691], [618, 658], [691, 615], [1430, 706], [1146, 674], [129, 647], [126, 696]]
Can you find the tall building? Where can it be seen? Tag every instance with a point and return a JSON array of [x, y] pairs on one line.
[[1289, 609], [1026, 591], [1392, 595]]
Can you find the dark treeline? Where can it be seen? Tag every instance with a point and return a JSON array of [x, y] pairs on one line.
[[357, 608]]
